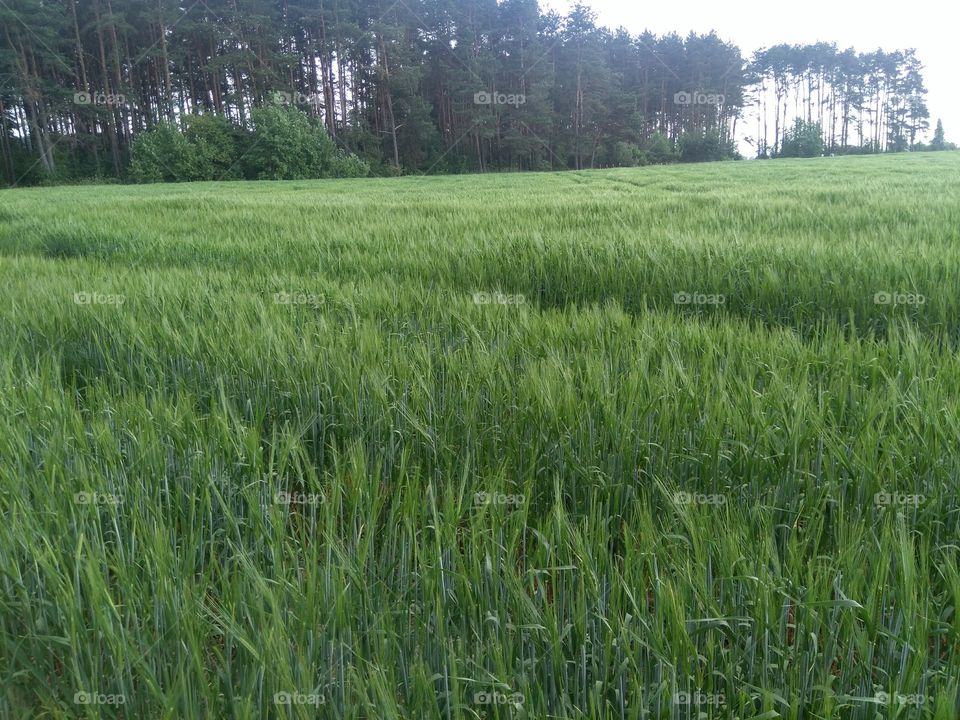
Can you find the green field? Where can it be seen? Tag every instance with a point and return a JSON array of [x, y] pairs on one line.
[[458, 447]]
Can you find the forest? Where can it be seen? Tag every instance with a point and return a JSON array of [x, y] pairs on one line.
[[228, 89]]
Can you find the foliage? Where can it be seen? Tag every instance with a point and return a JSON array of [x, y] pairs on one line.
[[805, 139], [163, 154], [939, 141], [346, 165], [420, 86], [288, 145], [657, 150], [854, 97], [704, 146], [217, 146], [285, 145]]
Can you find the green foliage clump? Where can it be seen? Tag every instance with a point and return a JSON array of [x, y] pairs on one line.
[[162, 154], [346, 165], [217, 146], [286, 144], [804, 139], [657, 150], [704, 146]]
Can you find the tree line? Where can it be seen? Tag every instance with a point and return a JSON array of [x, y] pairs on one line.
[[176, 90], [866, 102]]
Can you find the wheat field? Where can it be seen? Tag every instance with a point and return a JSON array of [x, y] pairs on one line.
[[666, 442]]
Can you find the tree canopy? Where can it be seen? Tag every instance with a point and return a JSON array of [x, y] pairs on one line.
[[100, 89]]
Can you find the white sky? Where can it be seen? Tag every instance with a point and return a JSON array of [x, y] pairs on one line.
[[933, 28]]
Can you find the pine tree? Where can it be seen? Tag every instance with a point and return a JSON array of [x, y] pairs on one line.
[[938, 142], [416, 86]]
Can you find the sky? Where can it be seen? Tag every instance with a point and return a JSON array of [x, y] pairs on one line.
[[933, 28]]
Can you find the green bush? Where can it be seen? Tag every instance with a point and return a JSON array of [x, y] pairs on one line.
[[216, 147], [657, 150], [804, 139], [347, 165], [621, 154], [704, 146], [288, 145], [162, 154]]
